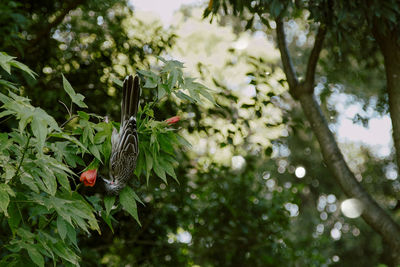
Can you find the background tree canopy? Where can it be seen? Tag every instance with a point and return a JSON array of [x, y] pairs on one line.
[[250, 175]]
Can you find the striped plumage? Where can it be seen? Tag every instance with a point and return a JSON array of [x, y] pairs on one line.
[[124, 144]]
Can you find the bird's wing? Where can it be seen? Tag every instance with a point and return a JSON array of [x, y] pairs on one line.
[[125, 142], [128, 141]]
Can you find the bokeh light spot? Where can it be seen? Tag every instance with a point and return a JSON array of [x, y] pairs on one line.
[[300, 172], [351, 208]]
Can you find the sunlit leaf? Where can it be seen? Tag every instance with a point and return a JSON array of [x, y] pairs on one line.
[[4, 198], [5, 62], [117, 81], [76, 98]]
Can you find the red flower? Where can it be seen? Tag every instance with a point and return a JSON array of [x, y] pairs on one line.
[[173, 120], [89, 177]]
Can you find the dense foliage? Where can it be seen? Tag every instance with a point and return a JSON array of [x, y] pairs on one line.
[[39, 195]]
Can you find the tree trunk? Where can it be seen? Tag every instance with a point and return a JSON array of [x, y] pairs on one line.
[[390, 46], [389, 43]]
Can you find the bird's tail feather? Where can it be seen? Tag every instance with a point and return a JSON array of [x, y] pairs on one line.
[[130, 98]]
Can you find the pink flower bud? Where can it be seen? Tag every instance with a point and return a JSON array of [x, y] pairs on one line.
[[89, 177], [172, 120]]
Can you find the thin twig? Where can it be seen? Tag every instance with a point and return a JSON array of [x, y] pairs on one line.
[[20, 213], [62, 103], [50, 220], [67, 121], [6, 119], [288, 67], [70, 109], [23, 156], [314, 56]]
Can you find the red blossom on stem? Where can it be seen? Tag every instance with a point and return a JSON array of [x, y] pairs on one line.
[[89, 177], [173, 120]]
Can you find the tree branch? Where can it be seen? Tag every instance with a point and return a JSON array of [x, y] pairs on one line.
[[314, 56], [373, 214], [286, 60]]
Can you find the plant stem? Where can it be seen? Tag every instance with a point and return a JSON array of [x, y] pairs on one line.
[[67, 121], [23, 156], [50, 220]]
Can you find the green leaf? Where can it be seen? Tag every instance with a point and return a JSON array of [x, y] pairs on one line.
[[161, 91], [173, 78], [24, 234], [23, 67], [149, 163], [95, 151], [6, 113], [8, 84], [46, 241], [40, 121], [168, 168], [83, 115], [71, 233], [9, 172], [76, 98], [15, 216], [207, 95], [49, 181], [5, 99], [108, 203], [128, 202], [27, 179], [183, 141], [5, 62], [100, 137], [36, 174], [70, 138], [95, 201], [64, 252], [152, 79], [61, 227], [184, 96], [39, 129], [117, 81], [165, 142], [107, 219], [140, 163], [63, 180], [35, 256], [4, 198], [159, 171], [137, 198], [94, 164]]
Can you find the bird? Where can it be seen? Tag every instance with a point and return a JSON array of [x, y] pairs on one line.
[[125, 143]]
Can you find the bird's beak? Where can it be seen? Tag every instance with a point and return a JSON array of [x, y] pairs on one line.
[[105, 180]]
